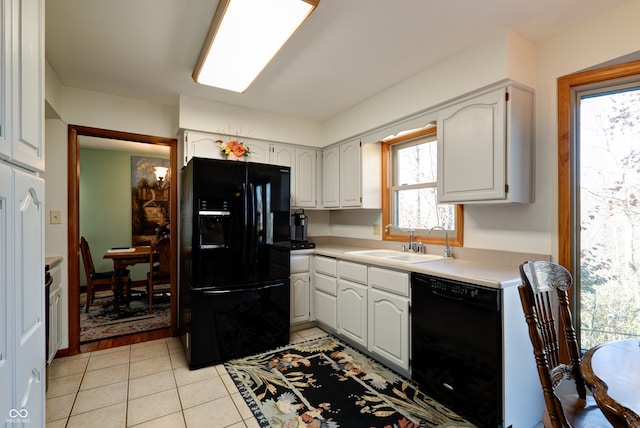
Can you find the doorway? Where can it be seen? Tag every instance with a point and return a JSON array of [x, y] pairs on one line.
[[75, 133]]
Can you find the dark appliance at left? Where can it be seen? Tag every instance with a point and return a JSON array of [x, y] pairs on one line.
[[234, 287]]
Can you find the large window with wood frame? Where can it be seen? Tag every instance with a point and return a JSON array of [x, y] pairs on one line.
[[410, 192], [599, 193]]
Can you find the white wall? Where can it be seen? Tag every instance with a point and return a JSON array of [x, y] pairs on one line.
[[94, 109], [489, 61], [201, 115], [606, 38], [100, 110], [522, 228], [55, 179]]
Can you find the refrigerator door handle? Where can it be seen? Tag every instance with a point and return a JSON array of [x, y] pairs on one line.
[[246, 221], [252, 230], [236, 290]]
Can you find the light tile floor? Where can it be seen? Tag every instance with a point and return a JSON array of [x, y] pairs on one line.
[[146, 385]]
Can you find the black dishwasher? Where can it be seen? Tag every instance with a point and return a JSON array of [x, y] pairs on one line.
[[456, 346]]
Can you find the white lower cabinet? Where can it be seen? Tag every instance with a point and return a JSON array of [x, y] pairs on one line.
[[352, 301], [325, 309], [389, 315], [366, 305], [300, 280], [352, 311], [299, 297], [55, 313], [389, 327], [325, 289]]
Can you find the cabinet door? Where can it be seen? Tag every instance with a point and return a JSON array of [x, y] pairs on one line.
[[285, 156], [472, 149], [5, 73], [259, 152], [299, 297], [27, 134], [202, 145], [325, 309], [305, 178], [350, 174], [29, 301], [352, 311], [331, 178], [52, 325], [389, 327], [6, 290]]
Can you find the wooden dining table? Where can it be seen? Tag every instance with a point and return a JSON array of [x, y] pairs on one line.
[[612, 372], [123, 258]]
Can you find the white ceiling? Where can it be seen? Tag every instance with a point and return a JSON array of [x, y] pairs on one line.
[[346, 52]]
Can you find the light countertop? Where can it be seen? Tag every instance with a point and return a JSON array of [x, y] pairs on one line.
[[51, 262], [498, 272]]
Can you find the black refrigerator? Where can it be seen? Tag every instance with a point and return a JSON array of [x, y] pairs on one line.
[[234, 259]]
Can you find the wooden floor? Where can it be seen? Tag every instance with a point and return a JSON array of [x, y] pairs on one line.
[[125, 340]]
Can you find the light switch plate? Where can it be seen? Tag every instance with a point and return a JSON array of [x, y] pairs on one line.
[[55, 217]]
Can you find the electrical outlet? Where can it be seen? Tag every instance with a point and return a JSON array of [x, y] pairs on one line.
[[55, 217], [376, 229]]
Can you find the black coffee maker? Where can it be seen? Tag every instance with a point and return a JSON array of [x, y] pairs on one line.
[[299, 230]]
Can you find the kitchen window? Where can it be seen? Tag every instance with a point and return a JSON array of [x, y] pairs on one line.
[[410, 189]]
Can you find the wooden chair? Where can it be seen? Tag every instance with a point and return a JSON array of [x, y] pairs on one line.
[[159, 276], [98, 281], [540, 279]]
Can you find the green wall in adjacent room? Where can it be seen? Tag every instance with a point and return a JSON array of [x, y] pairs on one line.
[[105, 205]]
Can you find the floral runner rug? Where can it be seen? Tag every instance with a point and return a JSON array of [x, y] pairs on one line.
[[323, 383]]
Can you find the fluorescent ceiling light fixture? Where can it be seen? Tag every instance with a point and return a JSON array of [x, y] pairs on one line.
[[244, 36]]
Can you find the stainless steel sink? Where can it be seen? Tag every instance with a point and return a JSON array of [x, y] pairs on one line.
[[396, 256]]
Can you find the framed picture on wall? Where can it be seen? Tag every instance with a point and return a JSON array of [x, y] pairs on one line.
[[150, 182]]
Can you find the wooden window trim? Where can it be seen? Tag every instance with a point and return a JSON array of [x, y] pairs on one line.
[[386, 189], [567, 233], [566, 162]]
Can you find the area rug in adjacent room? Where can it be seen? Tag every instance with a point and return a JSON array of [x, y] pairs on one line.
[[101, 323], [323, 383]]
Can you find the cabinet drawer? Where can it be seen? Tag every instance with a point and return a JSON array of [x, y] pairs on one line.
[[325, 283], [299, 264], [325, 265], [352, 271], [389, 280]]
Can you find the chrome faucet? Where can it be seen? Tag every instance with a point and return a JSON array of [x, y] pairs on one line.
[[403, 229], [447, 250]]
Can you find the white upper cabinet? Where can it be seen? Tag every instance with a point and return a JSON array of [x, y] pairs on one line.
[[302, 160], [22, 83], [305, 178], [352, 176], [303, 163], [260, 152], [331, 178], [284, 155], [201, 145], [485, 147]]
